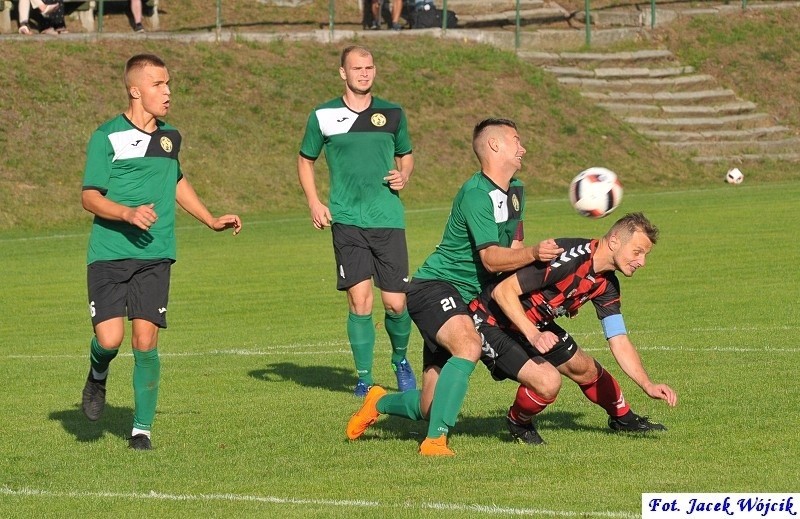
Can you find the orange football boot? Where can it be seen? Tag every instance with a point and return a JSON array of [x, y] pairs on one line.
[[435, 447], [367, 415]]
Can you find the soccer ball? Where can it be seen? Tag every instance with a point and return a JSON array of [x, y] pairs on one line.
[[734, 176], [595, 192]]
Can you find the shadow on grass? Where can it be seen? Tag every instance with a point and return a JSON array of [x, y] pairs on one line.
[[115, 420], [490, 426], [322, 377], [493, 426]]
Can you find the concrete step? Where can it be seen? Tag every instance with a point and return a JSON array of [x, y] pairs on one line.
[[630, 18], [553, 40], [717, 148], [641, 16], [492, 5], [728, 122], [527, 17], [599, 59], [734, 108], [738, 107], [767, 132], [677, 84], [664, 98], [750, 157], [619, 72]]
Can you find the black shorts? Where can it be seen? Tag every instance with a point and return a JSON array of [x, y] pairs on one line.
[[504, 352], [139, 286], [431, 303], [365, 253]]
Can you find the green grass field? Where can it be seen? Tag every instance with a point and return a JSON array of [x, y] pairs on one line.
[[257, 374]]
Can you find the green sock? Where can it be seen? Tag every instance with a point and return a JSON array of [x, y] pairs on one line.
[[405, 405], [398, 326], [451, 388], [100, 358], [361, 333], [146, 374]]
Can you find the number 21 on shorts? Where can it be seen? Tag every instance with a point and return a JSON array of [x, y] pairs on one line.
[[448, 304]]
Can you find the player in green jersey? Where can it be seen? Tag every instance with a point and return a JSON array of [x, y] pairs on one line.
[[369, 157], [483, 237], [132, 181]]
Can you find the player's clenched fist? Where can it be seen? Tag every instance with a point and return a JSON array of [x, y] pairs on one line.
[[547, 250]]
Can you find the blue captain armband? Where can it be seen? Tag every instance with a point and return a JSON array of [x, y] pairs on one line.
[[614, 325]]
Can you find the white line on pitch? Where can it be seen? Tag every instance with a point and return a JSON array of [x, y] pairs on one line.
[[345, 503]]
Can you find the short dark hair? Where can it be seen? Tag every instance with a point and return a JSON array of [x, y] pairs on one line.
[[140, 61], [479, 129], [492, 121], [354, 48], [632, 222]]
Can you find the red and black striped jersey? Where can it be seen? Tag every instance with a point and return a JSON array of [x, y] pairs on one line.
[[561, 287]]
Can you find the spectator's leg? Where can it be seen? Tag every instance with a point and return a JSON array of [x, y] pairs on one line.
[[376, 15], [46, 8], [57, 18], [136, 12], [24, 12], [365, 6], [397, 9]]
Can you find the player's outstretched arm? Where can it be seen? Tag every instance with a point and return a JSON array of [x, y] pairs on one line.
[[505, 259], [227, 221], [631, 363], [187, 198], [320, 214]]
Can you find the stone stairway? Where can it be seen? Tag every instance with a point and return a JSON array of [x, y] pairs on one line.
[[498, 13], [673, 105]]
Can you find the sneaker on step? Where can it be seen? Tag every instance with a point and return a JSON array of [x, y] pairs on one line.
[[138, 27], [361, 389], [632, 422], [524, 433], [140, 442], [367, 415], [435, 447], [405, 376], [93, 398]]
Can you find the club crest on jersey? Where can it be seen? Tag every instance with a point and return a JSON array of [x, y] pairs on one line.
[[378, 120], [515, 202], [166, 144]]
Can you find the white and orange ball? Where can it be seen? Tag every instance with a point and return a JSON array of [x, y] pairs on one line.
[[595, 192], [734, 176]]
